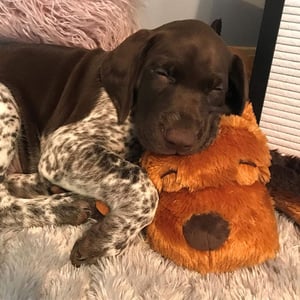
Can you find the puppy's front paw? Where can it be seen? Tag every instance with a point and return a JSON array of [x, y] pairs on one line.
[[93, 245], [81, 253], [72, 210]]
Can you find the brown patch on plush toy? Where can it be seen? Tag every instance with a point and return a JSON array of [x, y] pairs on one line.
[[206, 231], [215, 213]]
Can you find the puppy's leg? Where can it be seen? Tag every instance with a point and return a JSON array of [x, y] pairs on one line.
[[56, 209], [76, 162], [27, 185]]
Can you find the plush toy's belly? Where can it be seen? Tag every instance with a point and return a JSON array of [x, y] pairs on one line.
[[251, 236]]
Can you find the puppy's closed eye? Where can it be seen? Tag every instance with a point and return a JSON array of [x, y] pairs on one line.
[[215, 97], [160, 72], [164, 74], [218, 88], [212, 84]]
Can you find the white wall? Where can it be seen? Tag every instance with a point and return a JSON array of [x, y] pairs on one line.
[[241, 18]]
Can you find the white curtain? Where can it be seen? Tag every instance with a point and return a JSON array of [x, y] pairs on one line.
[[280, 118]]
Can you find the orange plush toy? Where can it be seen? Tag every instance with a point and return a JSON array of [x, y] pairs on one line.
[[215, 213]]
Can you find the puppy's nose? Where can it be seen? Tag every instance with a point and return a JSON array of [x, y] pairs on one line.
[[180, 138]]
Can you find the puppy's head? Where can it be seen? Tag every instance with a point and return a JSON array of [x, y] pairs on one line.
[[178, 80]]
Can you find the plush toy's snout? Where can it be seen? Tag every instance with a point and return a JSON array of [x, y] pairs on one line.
[[206, 231]]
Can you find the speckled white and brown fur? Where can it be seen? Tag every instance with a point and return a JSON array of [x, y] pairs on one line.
[[26, 212], [91, 158]]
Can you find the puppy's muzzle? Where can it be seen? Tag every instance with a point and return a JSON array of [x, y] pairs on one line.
[[179, 134]]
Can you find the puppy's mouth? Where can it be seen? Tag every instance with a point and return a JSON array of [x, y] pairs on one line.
[[178, 140], [161, 147], [187, 142]]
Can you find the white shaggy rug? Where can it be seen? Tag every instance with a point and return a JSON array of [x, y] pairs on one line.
[[34, 264]]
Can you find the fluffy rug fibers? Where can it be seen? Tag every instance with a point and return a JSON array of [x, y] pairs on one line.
[[34, 264]]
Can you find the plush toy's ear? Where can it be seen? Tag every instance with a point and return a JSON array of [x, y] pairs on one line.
[[120, 70], [216, 25], [237, 86]]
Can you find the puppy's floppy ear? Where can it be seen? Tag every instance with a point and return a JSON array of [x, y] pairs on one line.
[[216, 25], [120, 70], [237, 93]]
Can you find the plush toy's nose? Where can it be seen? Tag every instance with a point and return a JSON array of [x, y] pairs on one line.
[[206, 231]]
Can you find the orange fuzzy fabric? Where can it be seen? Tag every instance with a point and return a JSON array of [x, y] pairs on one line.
[[253, 234]]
